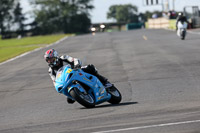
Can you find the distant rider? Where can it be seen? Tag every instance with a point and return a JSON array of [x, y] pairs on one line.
[[55, 62], [181, 18]]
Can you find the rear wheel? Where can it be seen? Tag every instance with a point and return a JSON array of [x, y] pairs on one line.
[[82, 98], [115, 95]]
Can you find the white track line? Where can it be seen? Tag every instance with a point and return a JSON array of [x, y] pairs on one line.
[[33, 51], [150, 126]]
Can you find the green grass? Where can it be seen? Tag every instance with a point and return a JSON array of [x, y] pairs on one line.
[[10, 52], [10, 48], [172, 24]]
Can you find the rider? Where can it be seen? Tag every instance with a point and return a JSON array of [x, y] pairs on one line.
[[55, 62], [181, 18]]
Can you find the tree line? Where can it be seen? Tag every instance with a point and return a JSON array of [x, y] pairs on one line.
[[50, 16], [56, 16], [128, 13], [11, 16]]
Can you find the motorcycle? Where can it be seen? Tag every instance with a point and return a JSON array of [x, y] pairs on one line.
[[181, 32], [84, 88]]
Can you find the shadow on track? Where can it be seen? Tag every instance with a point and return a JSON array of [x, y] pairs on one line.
[[112, 105]]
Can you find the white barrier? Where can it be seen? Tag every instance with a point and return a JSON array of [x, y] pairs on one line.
[[158, 23]]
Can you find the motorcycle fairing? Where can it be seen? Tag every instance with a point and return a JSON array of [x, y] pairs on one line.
[[65, 82]]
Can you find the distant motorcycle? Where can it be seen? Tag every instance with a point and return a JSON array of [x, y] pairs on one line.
[[84, 88], [181, 32]]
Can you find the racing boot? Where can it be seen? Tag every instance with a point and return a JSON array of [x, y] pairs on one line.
[[70, 101], [104, 81], [107, 84], [92, 70]]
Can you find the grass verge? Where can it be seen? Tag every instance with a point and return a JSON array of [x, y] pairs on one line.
[[10, 48]]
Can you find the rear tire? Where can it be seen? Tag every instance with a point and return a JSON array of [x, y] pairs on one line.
[[84, 99], [115, 95]]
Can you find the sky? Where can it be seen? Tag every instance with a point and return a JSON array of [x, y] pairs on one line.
[[98, 14]]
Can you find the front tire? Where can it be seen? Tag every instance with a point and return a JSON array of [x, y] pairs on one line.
[[183, 35], [84, 99], [115, 95]]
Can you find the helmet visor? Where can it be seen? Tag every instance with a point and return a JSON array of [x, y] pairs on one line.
[[50, 60]]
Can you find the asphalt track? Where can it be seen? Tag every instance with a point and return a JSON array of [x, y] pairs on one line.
[[157, 73]]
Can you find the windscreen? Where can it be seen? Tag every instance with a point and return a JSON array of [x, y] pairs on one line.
[[60, 71]]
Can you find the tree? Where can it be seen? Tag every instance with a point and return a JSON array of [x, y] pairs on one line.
[[5, 15], [123, 13], [147, 15], [62, 15], [19, 18], [80, 23]]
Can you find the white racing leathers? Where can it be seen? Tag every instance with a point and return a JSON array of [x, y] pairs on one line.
[[181, 32]]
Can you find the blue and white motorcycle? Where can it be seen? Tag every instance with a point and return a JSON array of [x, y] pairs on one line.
[[84, 88]]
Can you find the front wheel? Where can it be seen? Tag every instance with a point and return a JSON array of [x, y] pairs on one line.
[[183, 35], [115, 95], [82, 98]]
